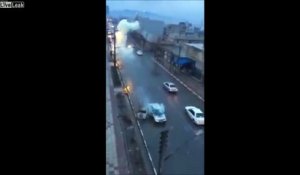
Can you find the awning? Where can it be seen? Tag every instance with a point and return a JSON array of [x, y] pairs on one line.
[[184, 61]]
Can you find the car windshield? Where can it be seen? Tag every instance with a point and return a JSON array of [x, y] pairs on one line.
[[142, 111], [199, 115], [158, 112], [172, 85]]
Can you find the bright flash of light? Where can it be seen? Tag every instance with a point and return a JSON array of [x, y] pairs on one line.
[[121, 39], [127, 89]]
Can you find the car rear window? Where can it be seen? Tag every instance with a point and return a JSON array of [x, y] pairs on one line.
[[172, 85], [199, 115]]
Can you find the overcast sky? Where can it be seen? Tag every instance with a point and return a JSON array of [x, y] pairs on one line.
[[190, 10]]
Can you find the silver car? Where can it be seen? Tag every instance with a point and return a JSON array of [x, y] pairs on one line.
[[170, 87], [195, 114], [139, 52]]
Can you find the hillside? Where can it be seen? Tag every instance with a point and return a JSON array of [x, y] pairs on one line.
[[133, 13]]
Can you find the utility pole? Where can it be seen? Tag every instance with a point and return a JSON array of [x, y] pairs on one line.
[[180, 47], [162, 149]]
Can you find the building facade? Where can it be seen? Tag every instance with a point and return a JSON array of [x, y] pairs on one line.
[[182, 33], [196, 53], [189, 57]]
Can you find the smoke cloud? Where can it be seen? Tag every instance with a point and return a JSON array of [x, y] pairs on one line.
[[142, 96], [123, 28]]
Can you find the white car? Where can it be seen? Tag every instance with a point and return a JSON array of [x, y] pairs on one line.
[[139, 52], [195, 114], [142, 114], [157, 111], [170, 87]]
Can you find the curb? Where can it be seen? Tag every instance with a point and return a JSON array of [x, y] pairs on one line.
[[117, 122], [139, 127], [186, 86]]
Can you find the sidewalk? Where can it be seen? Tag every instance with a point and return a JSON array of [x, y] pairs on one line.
[[193, 83], [116, 159]]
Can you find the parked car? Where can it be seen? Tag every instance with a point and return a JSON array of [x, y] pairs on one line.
[[195, 114], [170, 87]]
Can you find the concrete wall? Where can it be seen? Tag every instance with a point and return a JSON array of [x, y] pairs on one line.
[[190, 52], [194, 53], [197, 55]]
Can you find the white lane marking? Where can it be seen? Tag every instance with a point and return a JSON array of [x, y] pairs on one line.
[[197, 95]]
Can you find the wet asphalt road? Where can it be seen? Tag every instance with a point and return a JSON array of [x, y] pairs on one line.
[[186, 140]]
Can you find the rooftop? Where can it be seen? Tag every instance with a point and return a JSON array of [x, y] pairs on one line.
[[157, 106], [196, 45]]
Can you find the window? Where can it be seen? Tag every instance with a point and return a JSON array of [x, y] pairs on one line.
[[158, 112], [199, 115], [192, 112]]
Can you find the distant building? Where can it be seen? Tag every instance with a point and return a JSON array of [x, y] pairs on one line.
[[182, 32], [171, 28], [196, 29], [182, 27], [195, 53], [176, 38], [151, 30], [189, 57]]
